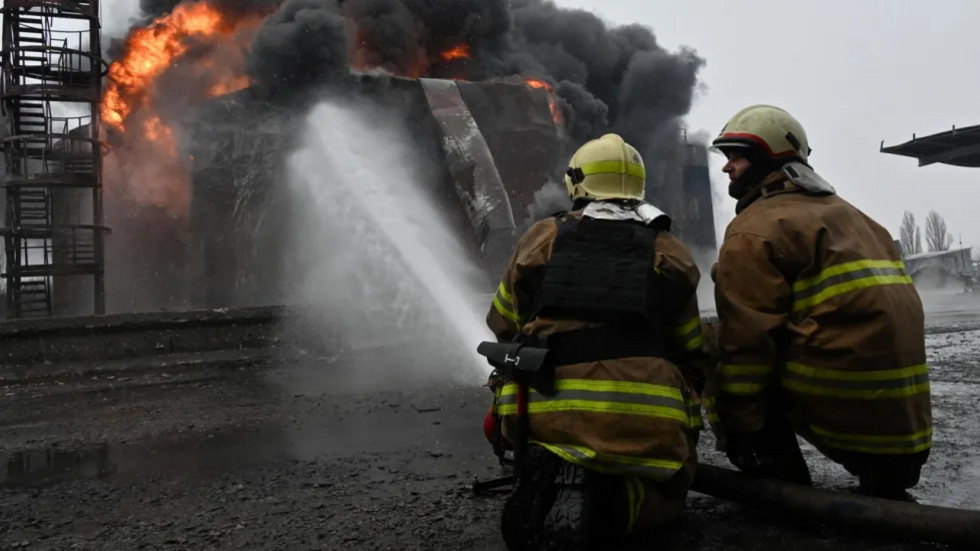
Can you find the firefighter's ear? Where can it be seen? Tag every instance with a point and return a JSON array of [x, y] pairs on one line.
[[714, 273]]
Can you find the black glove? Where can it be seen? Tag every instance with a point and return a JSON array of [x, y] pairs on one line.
[[768, 454], [748, 454]]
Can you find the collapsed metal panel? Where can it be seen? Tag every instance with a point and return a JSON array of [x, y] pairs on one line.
[[53, 221], [472, 169]]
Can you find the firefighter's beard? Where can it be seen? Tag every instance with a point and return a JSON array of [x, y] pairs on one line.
[[386, 269]]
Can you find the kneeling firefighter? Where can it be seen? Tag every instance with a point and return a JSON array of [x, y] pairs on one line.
[[821, 332], [603, 363]]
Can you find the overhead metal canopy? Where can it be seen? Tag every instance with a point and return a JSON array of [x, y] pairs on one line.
[[957, 147]]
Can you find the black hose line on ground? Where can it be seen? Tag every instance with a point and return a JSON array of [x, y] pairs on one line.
[[959, 527]]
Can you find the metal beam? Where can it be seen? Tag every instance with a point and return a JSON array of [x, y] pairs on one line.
[[947, 156]]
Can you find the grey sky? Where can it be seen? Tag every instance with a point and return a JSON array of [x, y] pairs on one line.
[[853, 72]]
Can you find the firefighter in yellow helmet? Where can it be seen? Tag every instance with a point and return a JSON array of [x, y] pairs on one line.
[[610, 294], [820, 329]]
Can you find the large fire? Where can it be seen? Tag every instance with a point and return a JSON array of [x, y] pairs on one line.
[[152, 172], [152, 50], [136, 105]]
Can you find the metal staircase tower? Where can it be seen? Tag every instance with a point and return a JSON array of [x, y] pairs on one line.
[[52, 226]]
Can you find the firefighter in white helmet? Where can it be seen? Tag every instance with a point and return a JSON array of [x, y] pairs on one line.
[[611, 294], [820, 329]]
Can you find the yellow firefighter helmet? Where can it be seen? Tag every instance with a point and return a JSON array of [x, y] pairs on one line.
[[606, 168], [765, 133]]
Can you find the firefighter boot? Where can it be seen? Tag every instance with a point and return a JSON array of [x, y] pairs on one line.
[[534, 493], [560, 506]]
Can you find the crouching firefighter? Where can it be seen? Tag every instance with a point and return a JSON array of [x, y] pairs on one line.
[[821, 332], [598, 363]]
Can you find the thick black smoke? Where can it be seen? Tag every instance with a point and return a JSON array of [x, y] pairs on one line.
[[301, 45], [623, 70], [151, 9], [608, 79]]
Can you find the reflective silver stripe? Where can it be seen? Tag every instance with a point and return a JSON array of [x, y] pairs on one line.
[[657, 469]]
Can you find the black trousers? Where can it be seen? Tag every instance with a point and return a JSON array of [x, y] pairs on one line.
[[879, 474]]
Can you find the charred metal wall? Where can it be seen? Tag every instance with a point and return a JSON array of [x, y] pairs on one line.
[[240, 205]]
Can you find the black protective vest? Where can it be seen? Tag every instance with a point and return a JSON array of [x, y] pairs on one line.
[[602, 271]]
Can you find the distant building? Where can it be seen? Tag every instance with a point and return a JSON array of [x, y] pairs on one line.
[[956, 147], [955, 262]]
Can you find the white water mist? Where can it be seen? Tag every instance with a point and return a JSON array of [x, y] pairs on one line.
[[385, 266]]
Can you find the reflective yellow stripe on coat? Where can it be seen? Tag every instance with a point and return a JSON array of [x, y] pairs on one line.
[[844, 278], [694, 414], [503, 302], [743, 379], [637, 496], [616, 397], [689, 335], [656, 469], [876, 444], [711, 409], [857, 385]]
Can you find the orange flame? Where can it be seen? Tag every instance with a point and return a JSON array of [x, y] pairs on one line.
[[460, 51], [151, 51], [552, 100], [235, 84], [159, 133], [129, 105]]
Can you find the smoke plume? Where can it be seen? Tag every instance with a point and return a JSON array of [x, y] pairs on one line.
[[300, 45], [181, 54], [605, 78], [151, 9]]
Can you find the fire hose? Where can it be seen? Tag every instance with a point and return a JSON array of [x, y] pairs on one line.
[[881, 516], [892, 519]]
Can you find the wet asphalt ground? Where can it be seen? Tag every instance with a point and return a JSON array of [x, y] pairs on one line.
[[360, 451]]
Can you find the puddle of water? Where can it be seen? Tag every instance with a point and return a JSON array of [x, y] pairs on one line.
[[400, 425], [198, 455], [44, 467]]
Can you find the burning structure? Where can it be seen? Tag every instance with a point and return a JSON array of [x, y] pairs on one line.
[[204, 101]]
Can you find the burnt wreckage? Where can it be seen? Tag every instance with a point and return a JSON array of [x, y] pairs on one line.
[[492, 145]]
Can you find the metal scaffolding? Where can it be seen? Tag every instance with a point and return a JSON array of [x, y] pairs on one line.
[[53, 228]]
